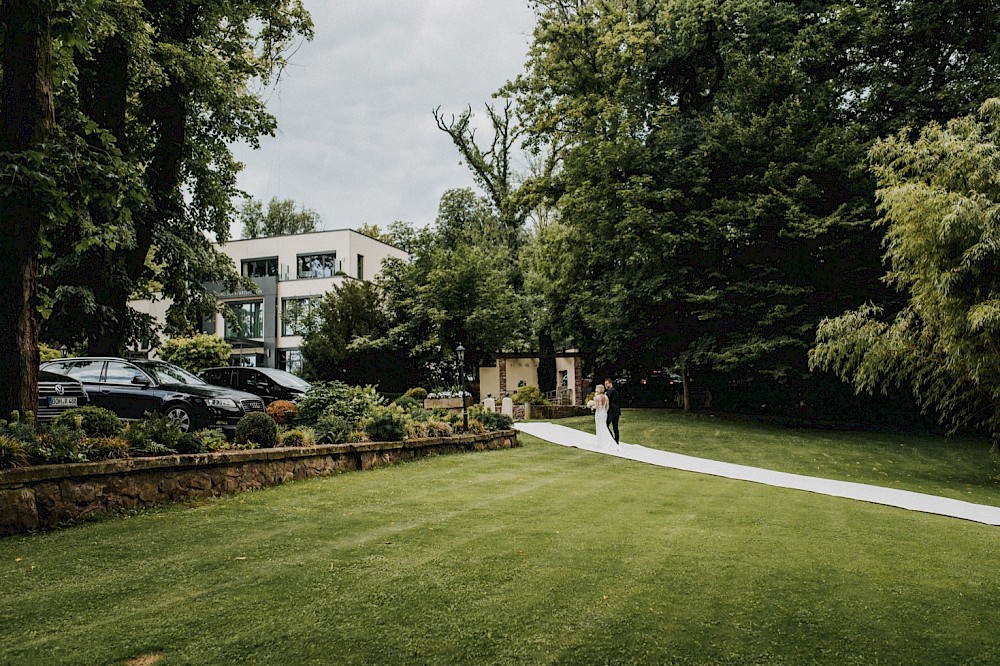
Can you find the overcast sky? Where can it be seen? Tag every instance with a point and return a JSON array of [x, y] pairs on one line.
[[356, 139]]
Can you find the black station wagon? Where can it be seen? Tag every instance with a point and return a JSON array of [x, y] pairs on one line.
[[130, 389], [56, 394]]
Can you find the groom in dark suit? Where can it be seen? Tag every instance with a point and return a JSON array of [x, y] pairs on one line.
[[614, 407]]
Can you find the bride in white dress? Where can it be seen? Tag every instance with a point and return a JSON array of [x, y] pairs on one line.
[[605, 440]]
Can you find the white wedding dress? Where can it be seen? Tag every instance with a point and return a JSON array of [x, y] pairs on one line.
[[605, 440]]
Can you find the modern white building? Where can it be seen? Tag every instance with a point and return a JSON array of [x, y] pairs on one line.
[[292, 274]]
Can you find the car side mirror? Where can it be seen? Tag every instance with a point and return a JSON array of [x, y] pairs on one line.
[[141, 379]]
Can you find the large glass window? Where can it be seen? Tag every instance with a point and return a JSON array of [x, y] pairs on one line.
[[249, 320], [291, 361], [295, 315], [317, 265], [267, 267]]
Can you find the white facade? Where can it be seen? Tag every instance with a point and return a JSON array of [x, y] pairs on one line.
[[292, 273]]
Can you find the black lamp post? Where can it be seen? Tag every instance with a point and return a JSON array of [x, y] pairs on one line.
[[460, 350]]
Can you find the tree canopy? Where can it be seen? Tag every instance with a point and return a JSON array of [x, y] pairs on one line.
[[281, 218], [712, 197], [939, 196]]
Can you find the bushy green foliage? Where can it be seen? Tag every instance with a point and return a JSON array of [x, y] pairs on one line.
[[939, 196], [350, 402], [47, 353], [18, 428], [213, 439], [528, 395], [416, 393], [13, 452], [93, 421], [332, 428], [58, 444], [386, 424], [301, 436], [408, 404], [106, 448], [256, 429], [191, 443], [154, 435], [429, 428], [491, 420], [197, 352]]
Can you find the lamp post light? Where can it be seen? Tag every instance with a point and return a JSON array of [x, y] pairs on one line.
[[63, 349], [460, 350]]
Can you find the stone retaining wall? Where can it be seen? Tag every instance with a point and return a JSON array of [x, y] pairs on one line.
[[33, 498], [554, 411]]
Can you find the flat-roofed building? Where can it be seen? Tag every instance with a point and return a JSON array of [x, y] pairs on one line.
[[292, 274]]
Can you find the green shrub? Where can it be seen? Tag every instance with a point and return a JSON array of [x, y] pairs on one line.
[[197, 352], [490, 419], [352, 403], [106, 448], [13, 452], [409, 404], [213, 439], [528, 395], [438, 428], [417, 430], [93, 421], [258, 429], [154, 435], [453, 419], [190, 443], [58, 444], [297, 437], [332, 428], [18, 428], [282, 411], [417, 393], [386, 424], [47, 353]]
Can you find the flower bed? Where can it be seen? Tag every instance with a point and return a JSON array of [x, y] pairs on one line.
[[45, 496]]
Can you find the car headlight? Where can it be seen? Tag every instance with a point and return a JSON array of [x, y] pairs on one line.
[[227, 404]]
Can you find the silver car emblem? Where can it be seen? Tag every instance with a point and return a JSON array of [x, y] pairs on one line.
[[59, 389]]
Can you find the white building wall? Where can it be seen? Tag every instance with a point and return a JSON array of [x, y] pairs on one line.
[[346, 243]]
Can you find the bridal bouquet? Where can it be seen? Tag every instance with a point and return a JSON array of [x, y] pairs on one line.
[[591, 405]]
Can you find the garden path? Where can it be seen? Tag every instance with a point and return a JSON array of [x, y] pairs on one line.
[[903, 499]]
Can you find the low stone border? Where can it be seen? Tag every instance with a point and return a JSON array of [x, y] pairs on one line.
[[538, 412], [45, 496]]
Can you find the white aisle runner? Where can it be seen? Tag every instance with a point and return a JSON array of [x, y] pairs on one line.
[[903, 499]]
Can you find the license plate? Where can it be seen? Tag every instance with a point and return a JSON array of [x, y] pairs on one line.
[[62, 402]]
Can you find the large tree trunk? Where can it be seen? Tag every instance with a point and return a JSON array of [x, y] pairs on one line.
[[103, 95], [27, 118]]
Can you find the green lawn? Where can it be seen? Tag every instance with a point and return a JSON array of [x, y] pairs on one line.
[[540, 554]]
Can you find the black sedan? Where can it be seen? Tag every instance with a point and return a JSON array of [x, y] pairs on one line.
[[131, 389], [56, 394]]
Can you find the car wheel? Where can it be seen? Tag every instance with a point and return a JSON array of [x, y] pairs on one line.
[[180, 415]]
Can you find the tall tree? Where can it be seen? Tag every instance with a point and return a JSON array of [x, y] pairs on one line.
[[492, 167], [281, 218], [712, 167], [348, 340], [193, 71], [940, 200], [27, 121], [455, 289]]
